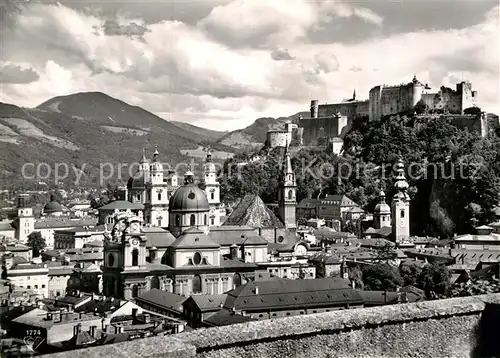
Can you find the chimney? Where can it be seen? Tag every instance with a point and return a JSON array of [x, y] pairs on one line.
[[147, 318], [49, 316], [56, 316], [80, 315], [92, 330], [256, 290], [77, 329], [134, 313]]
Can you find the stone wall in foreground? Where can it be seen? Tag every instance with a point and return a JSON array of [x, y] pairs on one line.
[[458, 327]]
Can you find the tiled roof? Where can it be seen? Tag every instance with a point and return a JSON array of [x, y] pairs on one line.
[[209, 302], [122, 204], [252, 211], [308, 203], [226, 317], [57, 222], [378, 298], [163, 299], [83, 338], [194, 238], [281, 294], [233, 234], [227, 262], [158, 237], [16, 248]]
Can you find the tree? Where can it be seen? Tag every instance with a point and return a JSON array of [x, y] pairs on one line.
[[434, 279], [473, 110], [409, 274], [36, 242], [421, 107], [385, 252], [381, 277]]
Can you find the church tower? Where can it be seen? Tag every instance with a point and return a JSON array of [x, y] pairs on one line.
[[212, 190], [124, 250], [400, 206], [156, 205], [25, 218], [287, 193], [382, 213]]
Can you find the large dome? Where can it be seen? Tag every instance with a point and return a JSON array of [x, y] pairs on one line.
[[52, 206], [188, 198]]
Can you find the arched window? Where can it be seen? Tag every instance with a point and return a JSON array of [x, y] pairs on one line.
[[135, 257], [402, 213], [290, 194], [237, 280], [212, 196], [192, 220], [177, 220], [155, 283], [159, 196], [135, 291], [206, 219], [196, 284]]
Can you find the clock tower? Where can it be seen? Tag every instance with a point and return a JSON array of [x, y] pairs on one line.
[[400, 206], [124, 251]]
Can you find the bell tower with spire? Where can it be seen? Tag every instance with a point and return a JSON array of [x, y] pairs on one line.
[[400, 206], [212, 190], [287, 189], [156, 206]]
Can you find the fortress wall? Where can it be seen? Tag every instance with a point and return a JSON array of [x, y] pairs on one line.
[[278, 138], [332, 127], [458, 327]]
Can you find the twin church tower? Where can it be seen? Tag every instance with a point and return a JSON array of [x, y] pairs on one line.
[[153, 188]]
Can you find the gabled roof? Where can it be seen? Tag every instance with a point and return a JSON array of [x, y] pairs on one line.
[[58, 222], [207, 303], [252, 211], [281, 294], [163, 299], [233, 234], [194, 238], [226, 317], [158, 237]]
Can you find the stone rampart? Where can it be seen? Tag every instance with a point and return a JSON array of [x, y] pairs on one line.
[[458, 327]]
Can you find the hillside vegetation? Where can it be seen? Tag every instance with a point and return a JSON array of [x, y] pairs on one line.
[[454, 175]]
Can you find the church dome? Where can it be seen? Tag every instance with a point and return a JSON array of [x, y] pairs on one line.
[[52, 206], [382, 207], [188, 198]]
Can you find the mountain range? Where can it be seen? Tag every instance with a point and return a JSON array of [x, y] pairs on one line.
[[90, 131]]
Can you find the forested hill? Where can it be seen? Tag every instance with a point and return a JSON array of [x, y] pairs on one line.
[[454, 175]]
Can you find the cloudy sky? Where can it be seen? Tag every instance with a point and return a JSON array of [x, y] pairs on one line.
[[222, 64]]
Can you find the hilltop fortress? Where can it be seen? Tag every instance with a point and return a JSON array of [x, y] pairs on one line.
[[328, 123]]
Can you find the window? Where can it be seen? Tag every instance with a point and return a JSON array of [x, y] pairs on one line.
[[111, 260], [135, 258], [290, 194], [237, 280], [192, 220], [28, 287], [159, 196], [139, 197], [43, 286], [155, 282], [177, 220], [196, 283], [135, 291], [36, 286], [212, 221], [402, 213], [197, 258], [205, 220], [212, 196]]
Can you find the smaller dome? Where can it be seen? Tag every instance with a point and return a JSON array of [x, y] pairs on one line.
[[52, 206]]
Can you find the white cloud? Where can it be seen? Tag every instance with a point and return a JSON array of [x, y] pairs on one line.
[[185, 71]]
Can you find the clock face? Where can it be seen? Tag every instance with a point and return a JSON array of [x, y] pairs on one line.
[[134, 227], [135, 242]]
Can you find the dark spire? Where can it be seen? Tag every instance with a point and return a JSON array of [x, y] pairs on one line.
[[354, 94], [155, 154]]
